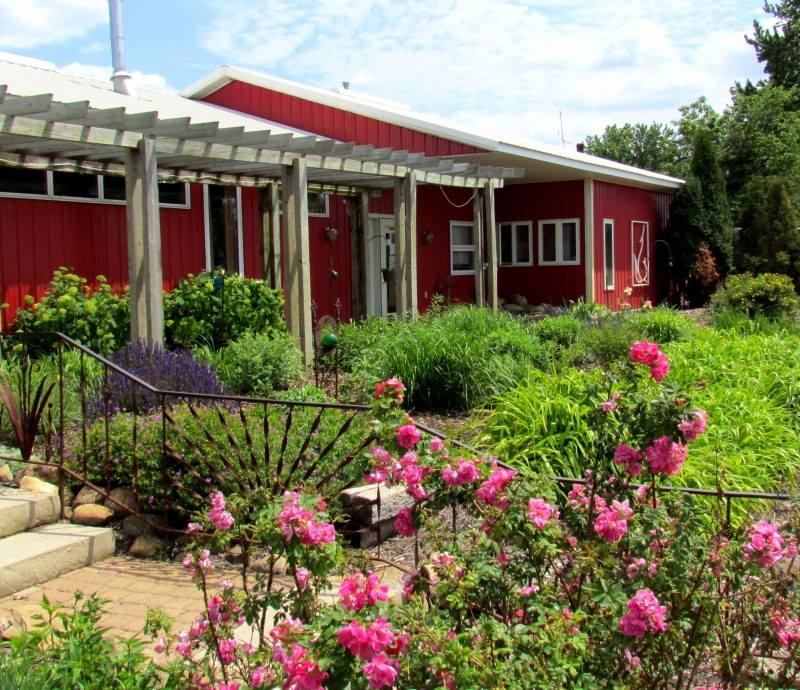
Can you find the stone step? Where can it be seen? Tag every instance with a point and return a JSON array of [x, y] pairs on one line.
[[23, 510], [32, 557]]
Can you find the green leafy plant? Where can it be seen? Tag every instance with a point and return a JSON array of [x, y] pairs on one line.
[[25, 406], [770, 294], [96, 316], [259, 363], [215, 308]]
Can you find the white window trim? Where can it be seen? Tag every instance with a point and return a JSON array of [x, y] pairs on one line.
[[514, 225], [50, 195], [636, 260], [606, 286], [462, 247], [239, 228], [559, 222]]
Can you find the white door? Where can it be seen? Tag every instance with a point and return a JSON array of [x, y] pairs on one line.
[[380, 266]]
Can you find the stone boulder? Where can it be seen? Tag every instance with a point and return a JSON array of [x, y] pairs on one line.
[[127, 498], [92, 514], [87, 495], [133, 526], [146, 546], [36, 485], [512, 308], [6, 475], [519, 300]]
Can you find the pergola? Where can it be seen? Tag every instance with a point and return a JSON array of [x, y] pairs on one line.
[[50, 120]]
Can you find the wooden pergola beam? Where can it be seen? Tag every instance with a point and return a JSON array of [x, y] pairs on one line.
[[492, 253]]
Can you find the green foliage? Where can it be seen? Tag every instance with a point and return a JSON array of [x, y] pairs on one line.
[[95, 316], [259, 363], [215, 308], [661, 324], [770, 294], [779, 46], [452, 360], [652, 147], [561, 330], [67, 649]]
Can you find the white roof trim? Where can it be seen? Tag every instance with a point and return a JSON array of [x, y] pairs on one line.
[[580, 162]]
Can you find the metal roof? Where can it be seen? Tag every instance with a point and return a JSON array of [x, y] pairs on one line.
[[61, 121], [540, 161]]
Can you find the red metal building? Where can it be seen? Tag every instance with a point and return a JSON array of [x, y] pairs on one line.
[[571, 227]]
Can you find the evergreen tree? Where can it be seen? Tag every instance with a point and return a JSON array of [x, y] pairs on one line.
[[748, 245], [779, 47], [700, 223]]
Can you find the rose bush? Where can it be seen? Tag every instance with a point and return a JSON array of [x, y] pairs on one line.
[[612, 584]]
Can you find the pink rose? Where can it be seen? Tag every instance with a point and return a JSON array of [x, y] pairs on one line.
[[540, 512], [408, 436], [404, 522]]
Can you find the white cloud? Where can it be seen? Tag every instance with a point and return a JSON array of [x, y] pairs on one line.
[[150, 82], [36, 22], [508, 65]]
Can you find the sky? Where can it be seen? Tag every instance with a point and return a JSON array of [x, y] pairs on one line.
[[550, 70]]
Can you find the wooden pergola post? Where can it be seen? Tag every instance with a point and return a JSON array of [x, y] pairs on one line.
[[358, 207], [405, 243], [491, 248], [144, 243], [298, 259], [270, 205], [588, 239], [477, 238]]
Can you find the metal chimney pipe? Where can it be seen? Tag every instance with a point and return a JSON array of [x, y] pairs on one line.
[[121, 79]]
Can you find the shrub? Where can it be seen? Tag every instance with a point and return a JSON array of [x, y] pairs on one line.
[[453, 360], [607, 340], [561, 330], [259, 363], [168, 370], [770, 294], [214, 308], [95, 316], [662, 324]]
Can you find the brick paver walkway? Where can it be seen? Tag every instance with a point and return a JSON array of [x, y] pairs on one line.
[[130, 586]]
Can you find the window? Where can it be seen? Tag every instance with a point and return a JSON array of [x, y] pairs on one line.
[[640, 252], [515, 243], [559, 242], [318, 204], [462, 248], [22, 181], [75, 186], [608, 254], [224, 242]]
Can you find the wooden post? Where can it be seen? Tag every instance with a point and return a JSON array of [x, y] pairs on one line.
[[298, 265], [410, 271], [144, 244], [400, 212], [588, 239], [270, 205], [491, 247], [477, 238], [358, 207]]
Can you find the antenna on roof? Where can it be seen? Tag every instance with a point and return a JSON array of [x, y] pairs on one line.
[[121, 79], [346, 85], [561, 132]]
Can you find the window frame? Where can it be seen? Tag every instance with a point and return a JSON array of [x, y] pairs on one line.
[[635, 261], [327, 213], [462, 248], [239, 229], [514, 260], [50, 195], [559, 223], [609, 288]]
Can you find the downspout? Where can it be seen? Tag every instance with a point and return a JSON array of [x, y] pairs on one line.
[[120, 78]]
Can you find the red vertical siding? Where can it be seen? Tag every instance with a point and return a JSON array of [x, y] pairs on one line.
[[331, 122], [39, 235], [535, 202], [624, 205]]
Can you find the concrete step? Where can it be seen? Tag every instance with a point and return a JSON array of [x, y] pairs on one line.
[[32, 557], [22, 510]]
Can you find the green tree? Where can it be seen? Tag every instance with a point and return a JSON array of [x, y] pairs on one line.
[[779, 47], [761, 138], [652, 147], [699, 229]]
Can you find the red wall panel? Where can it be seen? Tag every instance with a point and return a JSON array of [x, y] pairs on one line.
[[331, 122], [535, 202], [39, 235], [624, 205]]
